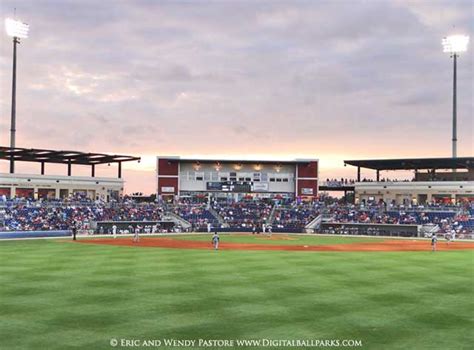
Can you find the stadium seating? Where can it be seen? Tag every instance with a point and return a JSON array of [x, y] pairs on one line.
[[245, 214], [196, 214], [51, 216], [282, 216]]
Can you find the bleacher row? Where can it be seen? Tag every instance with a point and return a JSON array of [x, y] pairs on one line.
[[44, 217], [292, 217]]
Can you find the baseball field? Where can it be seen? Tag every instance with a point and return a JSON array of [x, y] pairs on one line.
[[106, 294]]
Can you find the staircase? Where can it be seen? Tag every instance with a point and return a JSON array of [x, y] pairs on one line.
[[314, 224], [178, 220], [428, 230], [271, 217], [214, 213]]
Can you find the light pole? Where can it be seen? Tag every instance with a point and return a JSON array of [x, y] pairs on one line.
[[17, 30], [453, 45]]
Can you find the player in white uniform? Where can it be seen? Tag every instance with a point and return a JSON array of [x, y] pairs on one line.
[[114, 231], [136, 236], [215, 241]]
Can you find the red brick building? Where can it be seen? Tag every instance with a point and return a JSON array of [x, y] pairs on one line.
[[219, 177]]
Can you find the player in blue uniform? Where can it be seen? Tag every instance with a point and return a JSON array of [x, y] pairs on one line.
[[215, 241]]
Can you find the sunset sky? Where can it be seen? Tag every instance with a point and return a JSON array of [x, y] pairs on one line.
[[288, 79]]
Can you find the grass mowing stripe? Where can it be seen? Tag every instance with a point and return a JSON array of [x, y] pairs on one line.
[[61, 295]]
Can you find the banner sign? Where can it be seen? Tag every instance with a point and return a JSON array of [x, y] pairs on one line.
[[306, 191], [167, 189], [260, 186]]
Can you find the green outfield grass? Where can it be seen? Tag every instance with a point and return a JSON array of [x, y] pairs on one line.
[[61, 295]]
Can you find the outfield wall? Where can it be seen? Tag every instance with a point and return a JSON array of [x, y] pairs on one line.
[[34, 234]]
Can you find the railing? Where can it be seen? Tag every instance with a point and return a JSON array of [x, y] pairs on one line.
[[271, 217], [336, 183], [216, 215], [178, 219], [315, 223]]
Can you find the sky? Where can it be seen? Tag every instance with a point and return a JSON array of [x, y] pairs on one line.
[[331, 80]]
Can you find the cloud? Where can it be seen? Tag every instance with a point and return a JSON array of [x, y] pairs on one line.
[[309, 78]]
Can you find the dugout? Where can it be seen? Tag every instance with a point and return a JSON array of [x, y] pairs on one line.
[[369, 229], [105, 227]]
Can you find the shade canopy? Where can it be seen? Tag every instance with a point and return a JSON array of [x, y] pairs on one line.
[[414, 163]]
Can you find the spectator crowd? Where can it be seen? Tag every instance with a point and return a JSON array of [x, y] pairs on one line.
[[245, 215]]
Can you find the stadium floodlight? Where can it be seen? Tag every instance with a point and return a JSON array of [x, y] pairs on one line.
[[17, 30], [454, 44]]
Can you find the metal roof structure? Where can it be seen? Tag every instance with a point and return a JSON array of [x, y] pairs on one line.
[[414, 163], [62, 157], [69, 158], [240, 161]]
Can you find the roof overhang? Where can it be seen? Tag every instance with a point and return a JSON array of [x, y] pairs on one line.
[[414, 163], [61, 157], [239, 161]]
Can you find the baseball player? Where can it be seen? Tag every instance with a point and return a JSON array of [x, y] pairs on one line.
[[74, 230], [215, 241], [136, 236], [434, 241], [114, 231], [448, 236]]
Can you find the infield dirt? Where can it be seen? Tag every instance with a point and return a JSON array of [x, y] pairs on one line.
[[382, 246]]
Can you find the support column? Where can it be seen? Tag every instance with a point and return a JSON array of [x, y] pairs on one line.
[[93, 170], [12, 164], [42, 168], [119, 170], [13, 114], [455, 137], [378, 175], [69, 168], [358, 174]]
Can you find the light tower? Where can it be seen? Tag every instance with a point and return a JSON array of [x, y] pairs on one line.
[[453, 45], [17, 30]]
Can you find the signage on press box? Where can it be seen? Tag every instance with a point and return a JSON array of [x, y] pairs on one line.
[[167, 189], [307, 191], [260, 186]]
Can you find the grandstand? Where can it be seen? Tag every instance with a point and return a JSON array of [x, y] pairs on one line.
[[234, 216], [443, 180], [246, 196]]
